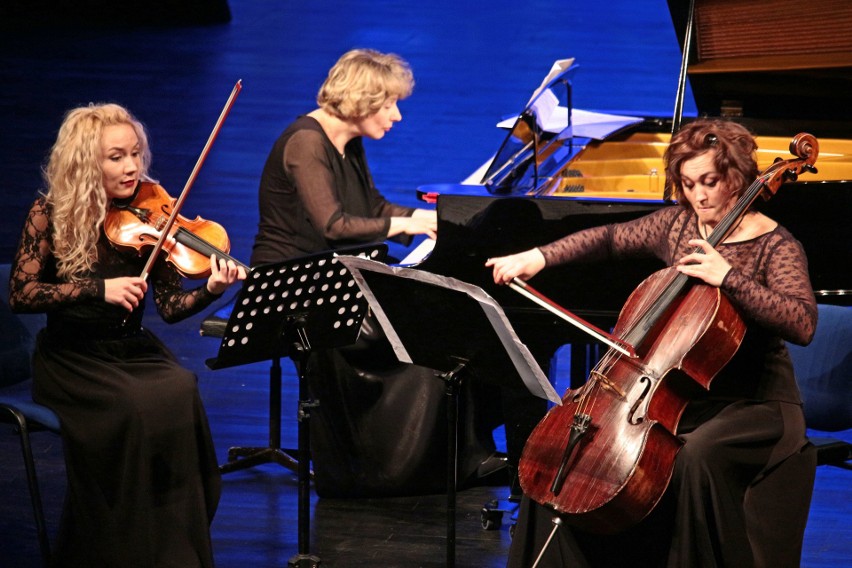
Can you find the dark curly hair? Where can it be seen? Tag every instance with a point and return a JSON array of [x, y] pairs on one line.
[[734, 149]]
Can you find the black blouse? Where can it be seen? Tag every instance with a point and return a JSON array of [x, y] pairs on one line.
[[312, 198]]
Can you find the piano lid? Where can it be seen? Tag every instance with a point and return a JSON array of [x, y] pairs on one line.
[[778, 67]]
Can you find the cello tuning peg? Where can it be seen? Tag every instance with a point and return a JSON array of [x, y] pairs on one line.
[[810, 168], [790, 175]]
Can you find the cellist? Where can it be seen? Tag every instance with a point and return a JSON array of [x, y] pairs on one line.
[[715, 511], [143, 480]]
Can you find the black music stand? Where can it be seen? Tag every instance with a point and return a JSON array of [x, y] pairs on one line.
[[291, 308], [452, 327], [244, 457]]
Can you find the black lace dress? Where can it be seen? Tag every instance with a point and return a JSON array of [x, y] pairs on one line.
[[143, 482], [740, 492]]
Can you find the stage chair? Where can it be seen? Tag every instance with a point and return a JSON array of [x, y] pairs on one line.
[[17, 336], [824, 373]]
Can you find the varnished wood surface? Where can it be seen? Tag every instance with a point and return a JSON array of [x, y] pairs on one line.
[[473, 63]]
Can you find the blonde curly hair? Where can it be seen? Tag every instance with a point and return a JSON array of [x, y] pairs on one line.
[[74, 178], [361, 81]]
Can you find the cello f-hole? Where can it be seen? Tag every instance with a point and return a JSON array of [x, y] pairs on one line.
[[631, 416]]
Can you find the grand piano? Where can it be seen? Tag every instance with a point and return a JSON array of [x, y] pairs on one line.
[[743, 64]]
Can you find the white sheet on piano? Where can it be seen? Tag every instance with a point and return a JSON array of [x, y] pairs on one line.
[[584, 123]]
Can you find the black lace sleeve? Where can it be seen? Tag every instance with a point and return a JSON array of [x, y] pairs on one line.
[[33, 286], [768, 282], [777, 292], [645, 236], [174, 303]]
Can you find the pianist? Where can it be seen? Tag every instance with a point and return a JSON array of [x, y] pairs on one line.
[[720, 508], [377, 428]]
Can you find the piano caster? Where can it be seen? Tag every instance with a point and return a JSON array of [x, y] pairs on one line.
[[491, 515]]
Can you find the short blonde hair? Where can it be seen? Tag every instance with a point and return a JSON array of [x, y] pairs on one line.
[[362, 80], [74, 178]]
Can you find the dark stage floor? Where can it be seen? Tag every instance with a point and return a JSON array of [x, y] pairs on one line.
[[474, 63]]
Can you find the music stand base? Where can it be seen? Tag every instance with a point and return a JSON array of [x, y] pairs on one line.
[[303, 561], [244, 458]]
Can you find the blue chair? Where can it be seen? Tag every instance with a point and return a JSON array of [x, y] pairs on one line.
[[17, 335], [824, 373]]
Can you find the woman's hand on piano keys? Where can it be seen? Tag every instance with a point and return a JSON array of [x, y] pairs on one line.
[[523, 265], [421, 222]]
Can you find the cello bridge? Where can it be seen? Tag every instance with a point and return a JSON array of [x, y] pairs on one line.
[[607, 384]]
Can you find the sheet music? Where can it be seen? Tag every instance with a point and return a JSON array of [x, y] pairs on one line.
[[585, 123], [559, 66], [525, 364], [553, 118]]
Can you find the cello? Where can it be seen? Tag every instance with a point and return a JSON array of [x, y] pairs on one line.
[[604, 458]]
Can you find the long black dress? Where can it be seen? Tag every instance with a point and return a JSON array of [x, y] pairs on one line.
[[742, 482], [380, 427], [143, 482]]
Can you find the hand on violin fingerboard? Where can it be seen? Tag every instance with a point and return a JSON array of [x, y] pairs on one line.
[[223, 273]]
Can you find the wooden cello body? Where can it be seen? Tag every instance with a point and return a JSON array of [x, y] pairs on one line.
[[604, 458], [621, 466]]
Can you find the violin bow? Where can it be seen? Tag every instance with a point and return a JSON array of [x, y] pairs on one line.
[[183, 194]]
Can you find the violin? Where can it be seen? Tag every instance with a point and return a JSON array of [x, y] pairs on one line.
[[189, 243], [604, 458], [152, 221]]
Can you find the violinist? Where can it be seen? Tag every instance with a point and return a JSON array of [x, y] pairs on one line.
[[143, 480], [720, 508], [376, 429]]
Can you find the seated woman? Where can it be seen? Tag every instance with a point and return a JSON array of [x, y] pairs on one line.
[[143, 483], [725, 505], [379, 427]]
